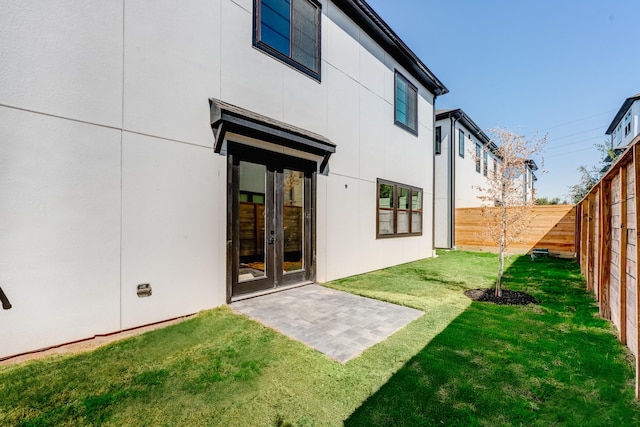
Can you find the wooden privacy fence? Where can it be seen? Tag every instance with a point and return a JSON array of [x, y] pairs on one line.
[[551, 227], [606, 236]]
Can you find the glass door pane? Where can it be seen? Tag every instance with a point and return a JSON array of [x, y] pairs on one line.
[[293, 220], [252, 234]]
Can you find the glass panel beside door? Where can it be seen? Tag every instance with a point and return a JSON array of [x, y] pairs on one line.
[[251, 219]]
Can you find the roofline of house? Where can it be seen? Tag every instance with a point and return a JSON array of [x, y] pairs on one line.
[[363, 15], [623, 109], [463, 118]]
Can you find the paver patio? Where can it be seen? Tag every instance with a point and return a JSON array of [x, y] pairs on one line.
[[336, 323]]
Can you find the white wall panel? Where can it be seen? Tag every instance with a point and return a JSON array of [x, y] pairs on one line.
[[63, 58], [344, 116], [342, 50], [170, 233], [305, 101], [372, 71], [373, 121], [321, 228], [250, 78], [60, 228], [172, 63], [342, 227]]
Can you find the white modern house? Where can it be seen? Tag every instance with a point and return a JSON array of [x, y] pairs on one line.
[[465, 157], [158, 158], [624, 126]]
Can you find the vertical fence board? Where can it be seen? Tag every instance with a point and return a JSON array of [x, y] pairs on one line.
[[623, 255]]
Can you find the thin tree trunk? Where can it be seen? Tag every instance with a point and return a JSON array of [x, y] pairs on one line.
[[503, 241]]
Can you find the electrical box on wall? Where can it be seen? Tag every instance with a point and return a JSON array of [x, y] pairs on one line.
[[144, 290]]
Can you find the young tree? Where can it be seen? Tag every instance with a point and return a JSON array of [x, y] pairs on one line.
[[506, 206]]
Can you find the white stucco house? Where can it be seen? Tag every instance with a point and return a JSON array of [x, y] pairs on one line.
[[624, 126], [464, 159], [159, 158]]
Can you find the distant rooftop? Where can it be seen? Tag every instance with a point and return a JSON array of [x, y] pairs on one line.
[[625, 106]]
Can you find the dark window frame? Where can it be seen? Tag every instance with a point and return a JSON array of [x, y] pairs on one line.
[[485, 165], [438, 140], [478, 157], [410, 87], [461, 143], [395, 208], [284, 57]]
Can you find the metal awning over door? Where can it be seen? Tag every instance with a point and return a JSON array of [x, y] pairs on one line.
[[228, 120]]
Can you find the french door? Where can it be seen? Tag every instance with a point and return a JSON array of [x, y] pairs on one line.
[[271, 220]]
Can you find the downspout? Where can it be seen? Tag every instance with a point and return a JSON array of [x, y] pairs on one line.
[[433, 180], [452, 189]]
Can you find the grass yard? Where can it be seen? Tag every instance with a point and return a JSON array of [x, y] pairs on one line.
[[462, 363]]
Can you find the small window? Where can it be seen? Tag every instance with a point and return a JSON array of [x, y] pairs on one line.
[[290, 31], [399, 210], [460, 142], [406, 113], [485, 158], [438, 144], [478, 158], [495, 167]]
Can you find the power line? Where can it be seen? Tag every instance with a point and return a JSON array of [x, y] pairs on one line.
[[575, 142], [577, 133], [568, 152], [579, 120]]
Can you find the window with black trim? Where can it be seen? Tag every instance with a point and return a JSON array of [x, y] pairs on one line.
[[406, 109], [485, 159], [478, 158], [290, 31], [399, 210], [460, 142], [438, 140]]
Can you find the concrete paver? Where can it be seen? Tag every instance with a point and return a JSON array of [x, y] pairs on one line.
[[336, 323]]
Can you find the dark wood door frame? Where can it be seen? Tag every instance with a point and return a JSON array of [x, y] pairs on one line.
[[276, 163]]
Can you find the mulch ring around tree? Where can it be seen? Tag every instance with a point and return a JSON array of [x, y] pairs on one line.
[[508, 297]]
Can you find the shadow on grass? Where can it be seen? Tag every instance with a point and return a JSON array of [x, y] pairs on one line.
[[553, 363]]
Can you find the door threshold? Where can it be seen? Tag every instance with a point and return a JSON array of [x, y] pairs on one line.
[[269, 291]]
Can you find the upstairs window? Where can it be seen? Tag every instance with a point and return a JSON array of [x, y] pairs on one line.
[[627, 123], [406, 114], [485, 158], [461, 143], [290, 31], [399, 210], [478, 158], [438, 141]]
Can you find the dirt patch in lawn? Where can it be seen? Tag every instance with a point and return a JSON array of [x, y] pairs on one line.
[[508, 297]]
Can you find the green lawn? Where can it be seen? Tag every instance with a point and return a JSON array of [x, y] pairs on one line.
[[554, 363]]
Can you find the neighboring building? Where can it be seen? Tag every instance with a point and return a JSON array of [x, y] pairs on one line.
[[464, 159], [464, 156], [119, 206], [624, 126]]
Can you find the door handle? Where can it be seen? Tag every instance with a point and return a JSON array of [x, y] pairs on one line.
[[272, 239]]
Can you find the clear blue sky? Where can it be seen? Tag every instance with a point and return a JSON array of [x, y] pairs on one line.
[[561, 67]]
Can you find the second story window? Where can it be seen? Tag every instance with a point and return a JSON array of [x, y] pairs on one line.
[[438, 146], [478, 158], [406, 114], [627, 123], [290, 31], [460, 142], [485, 160]]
